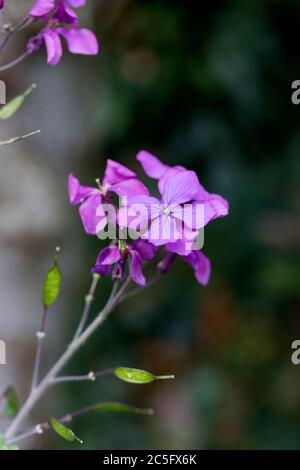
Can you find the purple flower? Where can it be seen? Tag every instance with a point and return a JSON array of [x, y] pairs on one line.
[[196, 259], [79, 41], [172, 219], [114, 259], [1, 4], [117, 179], [61, 23], [215, 206], [42, 8]]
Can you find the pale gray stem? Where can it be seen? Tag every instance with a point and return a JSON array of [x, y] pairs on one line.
[[12, 140], [92, 376], [40, 428], [36, 393], [15, 62], [40, 335], [87, 306]]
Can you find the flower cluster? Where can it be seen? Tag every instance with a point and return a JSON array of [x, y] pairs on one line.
[[61, 21], [169, 225]]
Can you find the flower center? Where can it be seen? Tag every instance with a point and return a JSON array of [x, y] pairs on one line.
[[166, 210]]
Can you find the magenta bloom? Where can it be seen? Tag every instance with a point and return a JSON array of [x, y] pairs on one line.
[[215, 206], [1, 4], [112, 258], [172, 222], [79, 41], [117, 179], [171, 218], [42, 8], [62, 23]]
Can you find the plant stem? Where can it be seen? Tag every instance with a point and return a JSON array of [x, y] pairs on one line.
[[36, 393], [12, 140], [41, 335], [92, 376], [88, 302], [12, 64], [22, 24], [40, 428]]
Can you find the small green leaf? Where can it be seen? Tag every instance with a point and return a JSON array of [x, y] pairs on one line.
[[9, 109], [12, 402], [137, 376], [4, 446], [134, 376], [51, 286], [115, 407], [63, 431]]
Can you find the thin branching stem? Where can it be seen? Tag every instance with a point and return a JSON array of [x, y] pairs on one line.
[[40, 335], [12, 140], [14, 62], [87, 306], [74, 346], [40, 428], [7, 35], [92, 376]]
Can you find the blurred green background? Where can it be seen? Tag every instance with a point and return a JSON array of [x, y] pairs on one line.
[[208, 88]]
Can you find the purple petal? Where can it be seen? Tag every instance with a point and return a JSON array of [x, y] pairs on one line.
[[191, 214], [78, 193], [34, 44], [41, 8], [109, 255], [201, 265], [148, 201], [102, 270], [215, 207], [146, 207], [175, 170], [133, 219], [163, 230], [53, 46], [80, 41], [180, 247], [92, 215], [1, 4], [145, 249], [106, 258], [76, 3], [135, 268], [181, 188], [64, 14], [152, 166], [115, 173], [166, 263], [131, 187]]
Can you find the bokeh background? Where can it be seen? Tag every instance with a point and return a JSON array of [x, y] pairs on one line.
[[208, 88]]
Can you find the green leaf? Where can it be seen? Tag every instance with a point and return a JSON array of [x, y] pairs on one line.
[[51, 286], [115, 407], [9, 109], [137, 376], [12, 402], [4, 446], [63, 431]]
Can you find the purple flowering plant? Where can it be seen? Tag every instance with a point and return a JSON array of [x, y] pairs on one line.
[[143, 234], [167, 228], [57, 20]]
